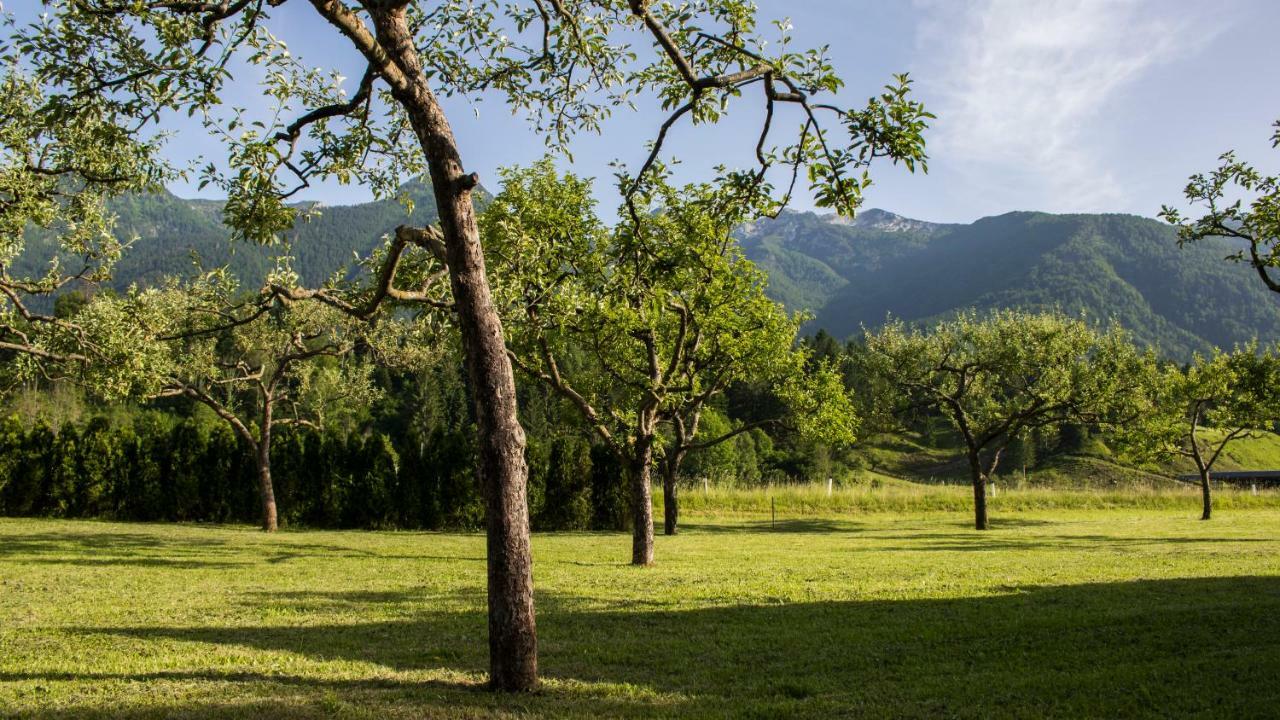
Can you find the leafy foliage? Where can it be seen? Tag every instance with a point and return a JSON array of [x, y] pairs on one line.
[[60, 162], [1196, 412], [1242, 205], [638, 327], [999, 378]]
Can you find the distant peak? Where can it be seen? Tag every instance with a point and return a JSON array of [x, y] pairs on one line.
[[877, 219]]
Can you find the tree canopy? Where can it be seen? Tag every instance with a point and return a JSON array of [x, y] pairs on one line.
[[1240, 203], [998, 377], [639, 326], [1196, 411]]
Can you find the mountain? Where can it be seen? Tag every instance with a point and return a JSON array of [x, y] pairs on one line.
[[171, 233], [1125, 268], [848, 273]]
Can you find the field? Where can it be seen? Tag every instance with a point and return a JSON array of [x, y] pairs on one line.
[[1070, 610]]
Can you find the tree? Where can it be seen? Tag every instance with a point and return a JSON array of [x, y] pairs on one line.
[[564, 63], [997, 378], [741, 349], [257, 371], [641, 325], [59, 164], [1198, 411], [1254, 221]]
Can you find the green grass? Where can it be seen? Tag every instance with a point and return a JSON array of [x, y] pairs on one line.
[[904, 455], [1252, 453], [879, 494], [1069, 613]]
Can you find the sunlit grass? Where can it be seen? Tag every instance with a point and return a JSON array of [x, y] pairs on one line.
[[1131, 611], [882, 494]]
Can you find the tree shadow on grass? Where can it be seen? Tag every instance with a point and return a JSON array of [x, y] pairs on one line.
[[106, 548], [985, 542], [795, 525], [94, 547], [27, 544], [1157, 648]]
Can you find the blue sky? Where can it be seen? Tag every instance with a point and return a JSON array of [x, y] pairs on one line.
[[1062, 106]]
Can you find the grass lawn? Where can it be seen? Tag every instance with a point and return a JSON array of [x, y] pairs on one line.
[[1064, 613]]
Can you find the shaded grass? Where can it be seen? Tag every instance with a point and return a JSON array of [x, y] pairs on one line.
[[1123, 612]]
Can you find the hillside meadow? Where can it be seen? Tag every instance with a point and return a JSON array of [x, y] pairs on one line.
[[873, 602]]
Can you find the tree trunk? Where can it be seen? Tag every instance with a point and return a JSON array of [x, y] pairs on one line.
[[1205, 495], [513, 655], [670, 503], [266, 490], [979, 492], [980, 502], [642, 505]]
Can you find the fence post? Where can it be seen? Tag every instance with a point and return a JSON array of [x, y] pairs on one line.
[[773, 514]]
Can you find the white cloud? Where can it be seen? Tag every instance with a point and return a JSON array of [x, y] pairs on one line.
[[1020, 86]]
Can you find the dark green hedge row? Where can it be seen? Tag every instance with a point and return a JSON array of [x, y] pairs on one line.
[[156, 467]]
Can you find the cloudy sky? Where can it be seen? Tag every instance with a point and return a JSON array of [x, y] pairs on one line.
[[1055, 105]]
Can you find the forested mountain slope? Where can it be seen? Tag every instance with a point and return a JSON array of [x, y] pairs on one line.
[[172, 233], [1111, 267], [848, 273]]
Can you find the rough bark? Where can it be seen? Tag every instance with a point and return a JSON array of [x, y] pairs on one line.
[[266, 490], [513, 664], [1202, 465], [267, 493], [642, 504]]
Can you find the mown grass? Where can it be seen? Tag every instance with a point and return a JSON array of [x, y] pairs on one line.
[[880, 494], [1097, 465], [1063, 613]]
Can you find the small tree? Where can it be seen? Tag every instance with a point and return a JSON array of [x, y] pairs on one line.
[[1233, 394], [275, 365], [1253, 219], [641, 325], [997, 378], [812, 401]]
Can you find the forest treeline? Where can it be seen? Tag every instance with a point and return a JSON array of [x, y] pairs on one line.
[[406, 462]]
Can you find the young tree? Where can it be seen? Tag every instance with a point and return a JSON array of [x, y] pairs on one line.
[[564, 63], [811, 401], [642, 325], [997, 378], [1240, 204], [1198, 411], [270, 366], [596, 315]]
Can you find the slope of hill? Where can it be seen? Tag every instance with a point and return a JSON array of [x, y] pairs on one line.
[[1109, 267], [173, 233], [850, 274]]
